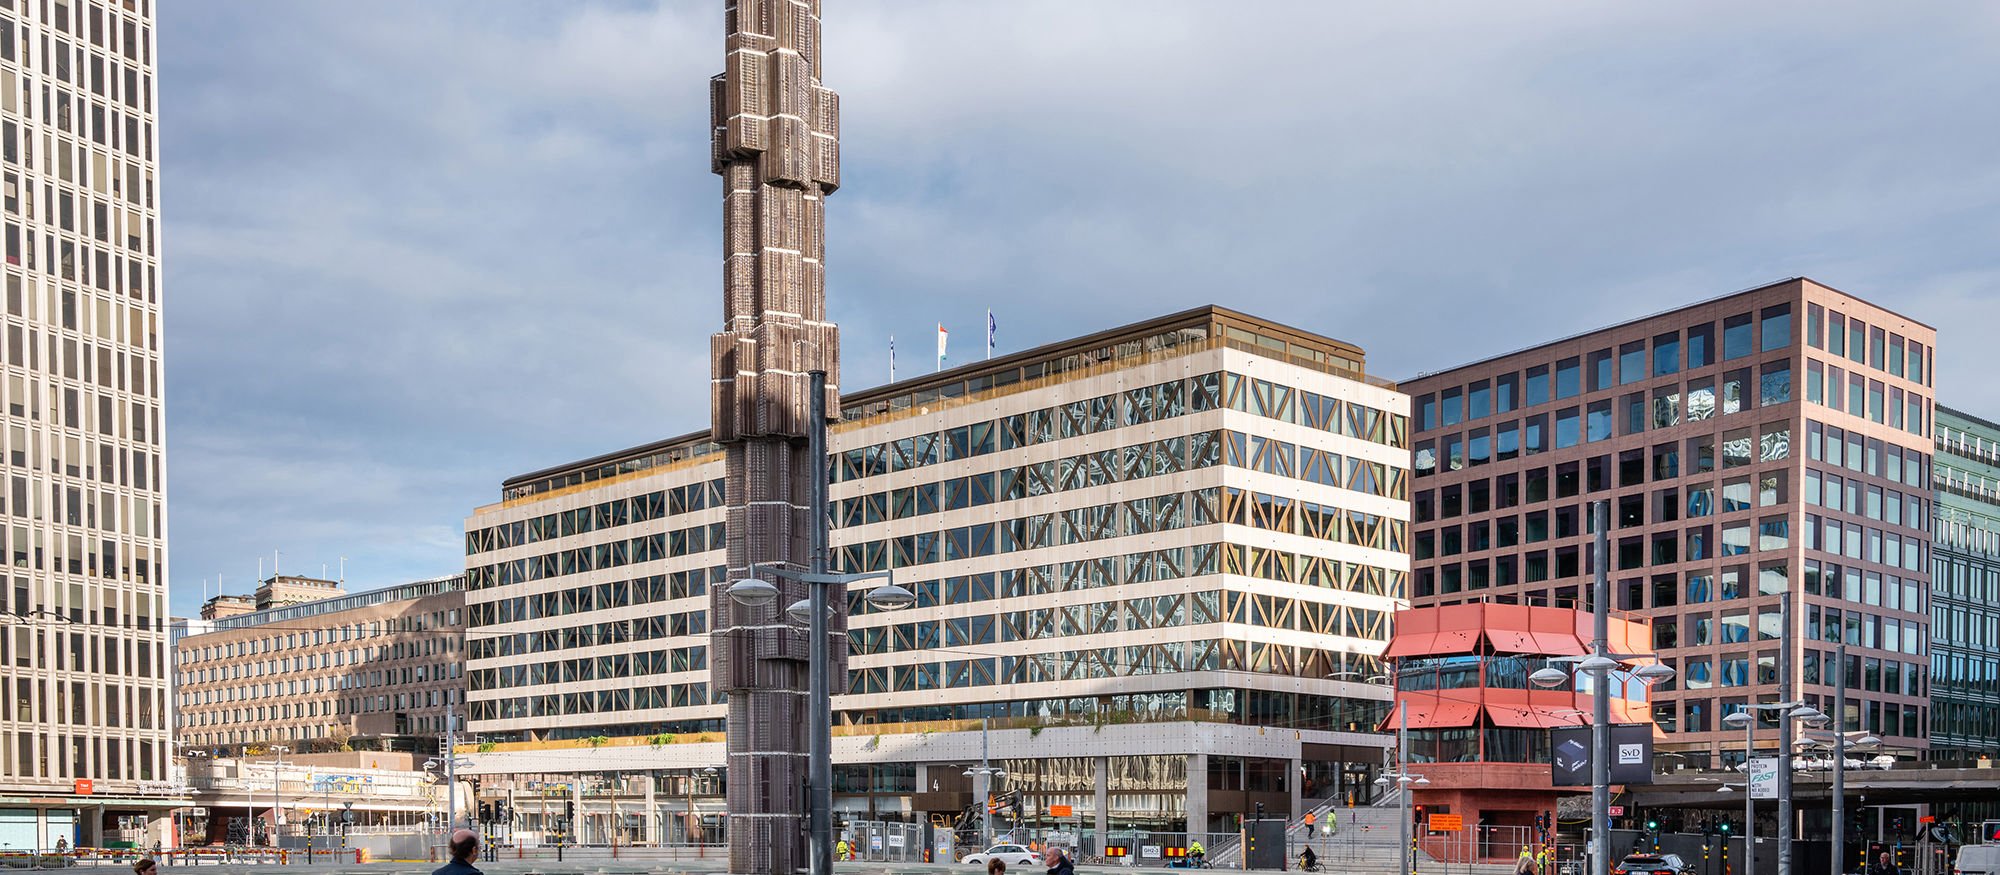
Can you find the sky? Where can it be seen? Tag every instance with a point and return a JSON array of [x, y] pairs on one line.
[[413, 249]]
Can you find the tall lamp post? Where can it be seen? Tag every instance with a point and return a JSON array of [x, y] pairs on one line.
[[1840, 744], [277, 804], [1599, 665], [813, 611], [982, 776], [1747, 721], [1404, 782]]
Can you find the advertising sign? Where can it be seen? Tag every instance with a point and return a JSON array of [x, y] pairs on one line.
[[1631, 755], [1764, 778]]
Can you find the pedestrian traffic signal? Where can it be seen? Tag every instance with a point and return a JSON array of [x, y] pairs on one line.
[[569, 808], [1722, 827], [1652, 824]]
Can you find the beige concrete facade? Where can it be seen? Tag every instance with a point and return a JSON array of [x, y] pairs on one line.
[[84, 734], [373, 669], [1726, 437], [1199, 518]]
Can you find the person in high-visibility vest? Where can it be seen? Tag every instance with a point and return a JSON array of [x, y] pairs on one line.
[[1527, 864], [840, 850]]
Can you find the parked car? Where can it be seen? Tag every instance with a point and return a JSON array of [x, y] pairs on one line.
[[1977, 860], [1014, 856], [1653, 864]]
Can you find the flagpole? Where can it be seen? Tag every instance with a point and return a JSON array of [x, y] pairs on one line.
[[892, 358], [989, 333]]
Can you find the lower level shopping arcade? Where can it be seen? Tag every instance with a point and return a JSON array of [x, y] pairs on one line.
[[1174, 777]]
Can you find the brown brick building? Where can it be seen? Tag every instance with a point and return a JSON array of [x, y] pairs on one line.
[[1769, 441], [374, 669]]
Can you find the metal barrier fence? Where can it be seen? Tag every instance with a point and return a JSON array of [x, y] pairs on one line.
[[878, 841]]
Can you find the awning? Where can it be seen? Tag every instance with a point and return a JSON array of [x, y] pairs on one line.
[[1511, 640], [1433, 714], [1411, 644]]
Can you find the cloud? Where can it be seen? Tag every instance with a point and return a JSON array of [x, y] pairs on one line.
[[413, 249]]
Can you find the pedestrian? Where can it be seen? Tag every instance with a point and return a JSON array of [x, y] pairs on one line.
[[1058, 862], [996, 866], [145, 866], [840, 850], [464, 849], [1526, 864]]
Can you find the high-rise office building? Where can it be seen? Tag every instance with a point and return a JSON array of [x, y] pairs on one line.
[[84, 731], [1771, 441], [1160, 560], [1965, 587]]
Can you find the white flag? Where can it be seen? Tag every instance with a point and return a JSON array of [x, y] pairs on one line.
[[942, 337]]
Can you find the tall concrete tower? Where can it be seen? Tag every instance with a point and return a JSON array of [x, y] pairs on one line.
[[776, 145]]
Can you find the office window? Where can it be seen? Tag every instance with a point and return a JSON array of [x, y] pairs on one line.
[[1701, 399], [1599, 423], [1815, 325], [1569, 378], [1776, 327], [1537, 391], [1632, 362], [1451, 407], [1774, 384], [1601, 376], [1815, 382], [1896, 355], [1736, 333], [1479, 400], [1568, 430], [1836, 334], [1667, 354], [1506, 392], [1701, 345], [1857, 341]]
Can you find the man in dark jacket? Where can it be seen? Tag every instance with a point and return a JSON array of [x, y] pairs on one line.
[[1058, 862], [1883, 866], [464, 850]]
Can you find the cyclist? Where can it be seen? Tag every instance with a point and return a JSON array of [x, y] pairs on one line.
[[1195, 853], [1308, 861]]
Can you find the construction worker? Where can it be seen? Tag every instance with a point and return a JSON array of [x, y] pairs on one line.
[[1196, 852], [1527, 864], [840, 850]]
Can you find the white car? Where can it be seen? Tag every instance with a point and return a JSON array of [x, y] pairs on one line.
[[1014, 856]]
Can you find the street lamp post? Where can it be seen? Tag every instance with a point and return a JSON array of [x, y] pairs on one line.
[[1599, 664], [751, 591], [982, 788], [1799, 711], [1404, 782], [277, 803], [1839, 746]]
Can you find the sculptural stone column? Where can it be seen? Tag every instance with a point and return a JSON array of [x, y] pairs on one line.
[[775, 144]]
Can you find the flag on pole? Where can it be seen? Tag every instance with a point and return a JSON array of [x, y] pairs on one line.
[[892, 358], [942, 337], [992, 328]]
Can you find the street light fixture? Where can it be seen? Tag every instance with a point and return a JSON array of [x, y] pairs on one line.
[[1599, 663], [813, 611], [1747, 722]]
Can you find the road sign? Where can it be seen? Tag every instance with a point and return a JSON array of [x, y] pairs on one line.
[[1617, 811], [1062, 811], [1447, 823]]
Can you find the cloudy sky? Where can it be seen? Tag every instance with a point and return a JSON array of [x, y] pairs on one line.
[[416, 248]]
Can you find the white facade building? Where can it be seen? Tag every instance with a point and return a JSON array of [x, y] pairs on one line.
[[1159, 561]]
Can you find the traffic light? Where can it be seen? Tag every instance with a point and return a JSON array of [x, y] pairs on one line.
[[1722, 826], [1652, 824], [1418, 813], [569, 808]]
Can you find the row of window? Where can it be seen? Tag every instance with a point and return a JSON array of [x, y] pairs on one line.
[[1607, 369], [86, 755], [1212, 391], [1598, 421], [81, 703], [599, 557], [1171, 563], [1864, 398], [1884, 719], [417, 622], [623, 699], [1867, 345], [672, 501], [609, 667], [1097, 664], [688, 583]]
